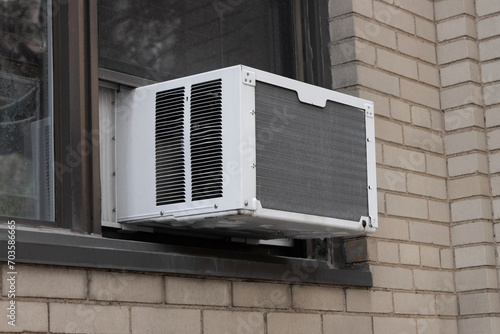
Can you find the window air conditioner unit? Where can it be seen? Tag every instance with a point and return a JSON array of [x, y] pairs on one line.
[[245, 153]]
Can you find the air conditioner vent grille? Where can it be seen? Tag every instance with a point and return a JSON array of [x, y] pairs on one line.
[[169, 149], [206, 140]]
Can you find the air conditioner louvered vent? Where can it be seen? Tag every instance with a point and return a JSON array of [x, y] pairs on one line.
[[169, 149], [206, 140]]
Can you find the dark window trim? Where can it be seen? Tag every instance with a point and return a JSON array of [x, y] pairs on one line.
[[76, 114], [64, 248]]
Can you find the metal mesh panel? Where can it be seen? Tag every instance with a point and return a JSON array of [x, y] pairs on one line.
[[169, 137], [310, 160], [206, 140]]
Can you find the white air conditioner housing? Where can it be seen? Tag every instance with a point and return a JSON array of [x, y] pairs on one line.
[[242, 152]]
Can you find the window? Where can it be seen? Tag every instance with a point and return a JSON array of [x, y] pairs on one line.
[[50, 59], [26, 113], [167, 39]]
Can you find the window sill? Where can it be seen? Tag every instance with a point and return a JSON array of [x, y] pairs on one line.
[[59, 247]]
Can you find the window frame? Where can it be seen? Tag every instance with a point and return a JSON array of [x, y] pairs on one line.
[[75, 239]]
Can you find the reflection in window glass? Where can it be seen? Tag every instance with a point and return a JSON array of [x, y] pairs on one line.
[[166, 39], [26, 130]]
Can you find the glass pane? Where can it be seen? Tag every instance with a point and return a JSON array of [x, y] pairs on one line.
[[166, 39], [26, 130]]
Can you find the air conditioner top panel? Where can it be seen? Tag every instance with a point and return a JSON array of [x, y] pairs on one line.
[[243, 152]]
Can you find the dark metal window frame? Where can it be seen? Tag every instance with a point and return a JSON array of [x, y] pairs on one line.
[[75, 238]]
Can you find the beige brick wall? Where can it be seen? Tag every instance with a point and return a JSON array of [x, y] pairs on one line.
[[432, 69]]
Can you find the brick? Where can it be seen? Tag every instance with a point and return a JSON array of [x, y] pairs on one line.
[[464, 142], [436, 165], [394, 325], [379, 153], [476, 208], [428, 74], [387, 130], [417, 48], [495, 185], [163, 320], [406, 206], [375, 33], [420, 116], [402, 158], [460, 72], [30, 316], [263, 295], [430, 233], [485, 7], [347, 324], [457, 50], [378, 80], [476, 279], [49, 282], [392, 229], [488, 27], [293, 323], [437, 120], [431, 280], [479, 325], [344, 76], [420, 93], [217, 322], [455, 28], [429, 257], [479, 303], [490, 72], [425, 29], [197, 291], [494, 162], [496, 209], [394, 17], [381, 102], [468, 164], [341, 28], [491, 94], [458, 96], [359, 250], [446, 258], [474, 256], [410, 254], [318, 298], [447, 304], [437, 326], [391, 180], [391, 277], [397, 64], [463, 118], [412, 303], [363, 7], [489, 49], [350, 50], [470, 233], [449, 8], [469, 186], [388, 252], [80, 318], [492, 116], [125, 287], [493, 139], [439, 211], [400, 110], [381, 202], [496, 227], [368, 301], [422, 8], [426, 186]]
